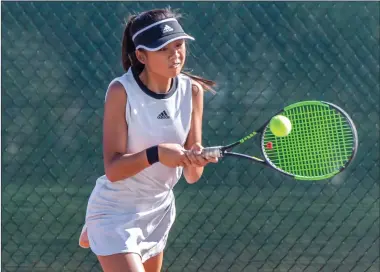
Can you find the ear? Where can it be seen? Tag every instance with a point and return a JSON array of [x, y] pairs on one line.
[[140, 56]]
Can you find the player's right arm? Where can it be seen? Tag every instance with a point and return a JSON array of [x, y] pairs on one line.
[[119, 164]]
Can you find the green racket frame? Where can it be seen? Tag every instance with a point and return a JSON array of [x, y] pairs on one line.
[[322, 143]]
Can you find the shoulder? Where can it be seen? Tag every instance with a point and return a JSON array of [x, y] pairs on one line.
[[118, 84], [197, 95], [116, 93], [196, 88]]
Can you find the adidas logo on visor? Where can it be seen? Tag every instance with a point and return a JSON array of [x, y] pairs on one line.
[[167, 29]]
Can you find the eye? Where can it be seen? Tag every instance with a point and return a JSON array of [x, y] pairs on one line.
[[179, 44], [163, 49]]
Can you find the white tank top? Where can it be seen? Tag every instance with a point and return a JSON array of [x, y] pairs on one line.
[[152, 119]]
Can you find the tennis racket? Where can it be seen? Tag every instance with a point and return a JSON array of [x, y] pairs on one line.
[[322, 142]]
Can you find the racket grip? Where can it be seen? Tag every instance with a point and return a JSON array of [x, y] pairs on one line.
[[214, 151]]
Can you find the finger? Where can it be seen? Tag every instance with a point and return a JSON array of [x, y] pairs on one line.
[[197, 149], [213, 159], [202, 161], [207, 160], [193, 159], [186, 161], [197, 160], [190, 155]]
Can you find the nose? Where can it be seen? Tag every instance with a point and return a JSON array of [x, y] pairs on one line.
[[174, 53]]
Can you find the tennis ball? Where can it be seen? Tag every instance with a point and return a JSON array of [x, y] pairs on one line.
[[280, 126]]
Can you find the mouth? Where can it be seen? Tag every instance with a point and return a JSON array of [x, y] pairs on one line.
[[175, 65]]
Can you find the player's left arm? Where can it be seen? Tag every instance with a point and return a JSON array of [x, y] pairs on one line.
[[194, 139]]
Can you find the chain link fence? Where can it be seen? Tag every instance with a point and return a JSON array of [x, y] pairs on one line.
[[57, 60]]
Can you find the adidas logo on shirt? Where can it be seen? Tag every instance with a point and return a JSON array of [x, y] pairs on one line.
[[163, 115], [167, 29]]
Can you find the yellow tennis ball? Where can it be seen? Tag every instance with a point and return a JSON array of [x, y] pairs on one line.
[[280, 126]]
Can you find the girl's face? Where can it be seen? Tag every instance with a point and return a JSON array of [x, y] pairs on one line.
[[166, 62]]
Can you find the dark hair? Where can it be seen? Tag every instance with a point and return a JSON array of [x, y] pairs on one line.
[[128, 54]]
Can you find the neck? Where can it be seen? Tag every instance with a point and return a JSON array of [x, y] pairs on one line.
[[155, 82]]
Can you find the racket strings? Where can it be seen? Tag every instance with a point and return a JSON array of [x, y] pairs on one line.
[[326, 136], [320, 143]]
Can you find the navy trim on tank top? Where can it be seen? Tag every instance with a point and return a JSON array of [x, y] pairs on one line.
[[145, 89]]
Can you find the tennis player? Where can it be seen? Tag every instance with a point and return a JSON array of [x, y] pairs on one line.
[[152, 132]]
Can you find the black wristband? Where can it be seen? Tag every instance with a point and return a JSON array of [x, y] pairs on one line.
[[152, 154]]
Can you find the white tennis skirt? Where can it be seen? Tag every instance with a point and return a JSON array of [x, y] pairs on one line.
[[119, 221]]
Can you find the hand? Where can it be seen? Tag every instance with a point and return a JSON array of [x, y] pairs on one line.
[[172, 155], [195, 156], [83, 239]]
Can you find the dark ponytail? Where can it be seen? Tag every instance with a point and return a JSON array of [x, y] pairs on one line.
[[205, 83], [128, 55]]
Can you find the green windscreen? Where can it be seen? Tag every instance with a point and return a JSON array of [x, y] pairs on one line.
[[320, 143]]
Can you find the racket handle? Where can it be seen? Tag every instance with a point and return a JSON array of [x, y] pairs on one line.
[[214, 151]]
